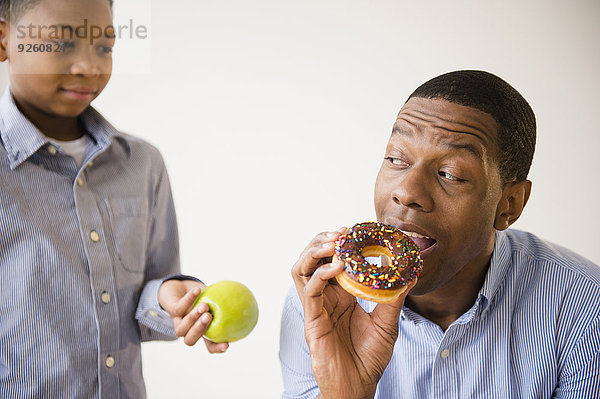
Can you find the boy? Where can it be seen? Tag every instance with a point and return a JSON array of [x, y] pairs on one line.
[[88, 236]]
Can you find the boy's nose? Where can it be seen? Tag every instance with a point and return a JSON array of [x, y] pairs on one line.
[[85, 67], [413, 190]]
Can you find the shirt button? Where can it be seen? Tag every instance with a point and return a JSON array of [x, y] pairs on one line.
[[79, 181], [153, 313], [445, 353], [110, 361], [94, 236], [52, 150], [105, 297]]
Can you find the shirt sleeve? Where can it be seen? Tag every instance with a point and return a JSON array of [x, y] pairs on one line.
[[298, 379], [162, 258], [581, 375]]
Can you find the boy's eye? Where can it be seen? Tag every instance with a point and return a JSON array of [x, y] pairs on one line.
[[448, 176], [105, 49], [65, 45]]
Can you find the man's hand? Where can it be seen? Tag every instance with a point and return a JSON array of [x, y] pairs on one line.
[[349, 348], [177, 298]]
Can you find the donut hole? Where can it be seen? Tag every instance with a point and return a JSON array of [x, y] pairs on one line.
[[379, 261], [377, 255]]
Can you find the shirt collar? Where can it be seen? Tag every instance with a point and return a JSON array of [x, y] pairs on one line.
[[22, 138], [499, 266]]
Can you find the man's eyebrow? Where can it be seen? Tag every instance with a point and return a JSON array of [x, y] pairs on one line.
[[465, 146], [455, 146]]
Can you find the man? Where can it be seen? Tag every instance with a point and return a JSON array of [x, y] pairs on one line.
[[495, 313]]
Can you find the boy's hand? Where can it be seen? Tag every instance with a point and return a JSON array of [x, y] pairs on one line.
[[177, 297]]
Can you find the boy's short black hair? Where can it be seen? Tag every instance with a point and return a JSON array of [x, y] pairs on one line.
[[11, 10], [494, 96]]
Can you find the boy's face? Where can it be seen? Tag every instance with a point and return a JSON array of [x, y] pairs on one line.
[[53, 70], [440, 179]]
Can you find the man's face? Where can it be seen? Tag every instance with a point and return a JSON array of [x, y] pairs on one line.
[[52, 70], [440, 179]]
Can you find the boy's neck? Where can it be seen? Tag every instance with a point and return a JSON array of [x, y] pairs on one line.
[[55, 127]]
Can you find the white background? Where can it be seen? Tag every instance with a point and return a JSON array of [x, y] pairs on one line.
[[273, 116]]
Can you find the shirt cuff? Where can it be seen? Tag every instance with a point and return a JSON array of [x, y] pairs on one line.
[[154, 321], [183, 277]]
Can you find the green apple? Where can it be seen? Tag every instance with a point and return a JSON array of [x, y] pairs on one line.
[[233, 308]]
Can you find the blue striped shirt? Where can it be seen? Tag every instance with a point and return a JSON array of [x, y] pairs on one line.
[[83, 251], [533, 332]]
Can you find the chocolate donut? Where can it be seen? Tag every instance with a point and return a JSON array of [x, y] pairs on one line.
[[383, 283]]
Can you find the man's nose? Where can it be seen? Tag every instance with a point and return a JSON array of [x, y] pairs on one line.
[[414, 190]]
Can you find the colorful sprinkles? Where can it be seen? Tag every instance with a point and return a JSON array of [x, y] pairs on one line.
[[406, 264]]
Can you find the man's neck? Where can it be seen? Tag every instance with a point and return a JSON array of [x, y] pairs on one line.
[[447, 303]]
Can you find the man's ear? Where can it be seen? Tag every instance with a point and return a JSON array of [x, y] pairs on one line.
[[510, 206], [4, 34]]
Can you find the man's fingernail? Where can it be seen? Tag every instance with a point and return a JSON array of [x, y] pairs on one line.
[[205, 318], [196, 291]]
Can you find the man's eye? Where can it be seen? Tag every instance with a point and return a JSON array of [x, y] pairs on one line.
[[448, 176], [396, 161]]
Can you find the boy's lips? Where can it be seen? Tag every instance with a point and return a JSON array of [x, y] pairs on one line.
[[79, 92]]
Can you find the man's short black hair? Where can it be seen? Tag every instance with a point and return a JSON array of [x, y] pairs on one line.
[[488, 93], [12, 10]]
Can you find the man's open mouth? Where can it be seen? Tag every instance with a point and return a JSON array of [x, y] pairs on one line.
[[422, 241]]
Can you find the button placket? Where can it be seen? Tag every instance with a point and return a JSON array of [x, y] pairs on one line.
[[93, 226]]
